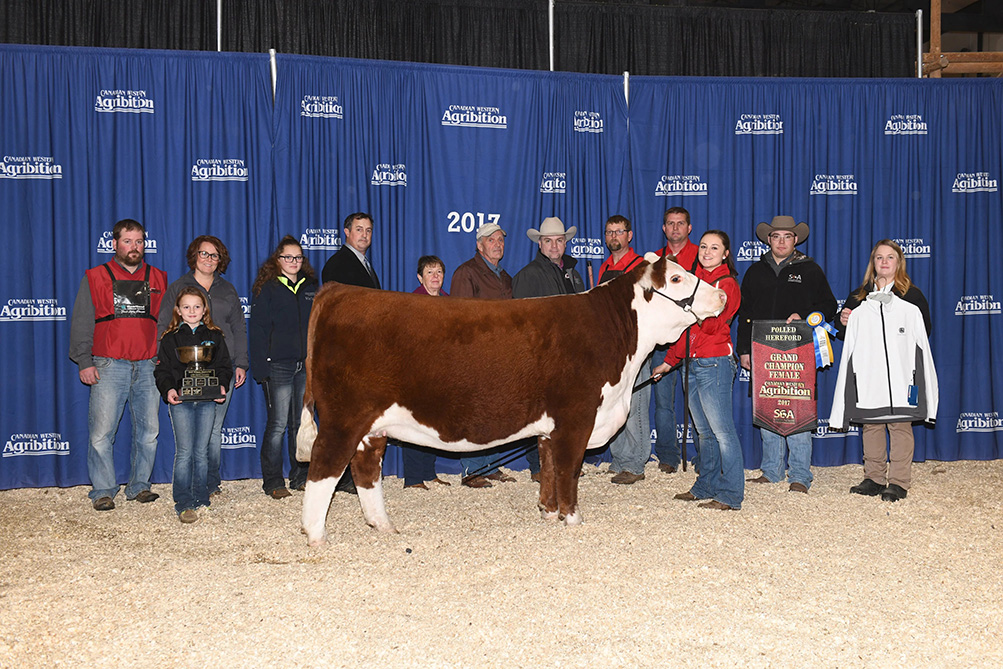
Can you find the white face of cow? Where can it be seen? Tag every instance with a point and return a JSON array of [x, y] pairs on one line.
[[664, 313]]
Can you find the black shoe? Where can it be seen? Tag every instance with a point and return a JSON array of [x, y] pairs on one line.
[[104, 504], [867, 487], [346, 485], [893, 493], [145, 496]]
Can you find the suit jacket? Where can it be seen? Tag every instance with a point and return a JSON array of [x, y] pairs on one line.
[[345, 267]]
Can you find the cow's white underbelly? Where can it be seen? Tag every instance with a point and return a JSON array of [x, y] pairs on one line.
[[398, 422], [615, 404]]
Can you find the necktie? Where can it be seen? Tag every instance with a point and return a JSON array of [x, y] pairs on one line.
[[369, 268]]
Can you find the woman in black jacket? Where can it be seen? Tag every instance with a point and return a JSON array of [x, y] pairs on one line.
[[282, 296]]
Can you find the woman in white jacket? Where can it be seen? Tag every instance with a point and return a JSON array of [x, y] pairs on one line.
[[886, 376]]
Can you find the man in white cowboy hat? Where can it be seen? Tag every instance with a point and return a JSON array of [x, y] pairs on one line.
[[784, 285], [551, 272]]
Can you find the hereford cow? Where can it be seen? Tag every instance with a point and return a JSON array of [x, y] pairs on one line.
[[464, 375]]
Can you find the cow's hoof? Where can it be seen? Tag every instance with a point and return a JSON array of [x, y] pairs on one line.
[[572, 519], [547, 515], [317, 542], [385, 527]]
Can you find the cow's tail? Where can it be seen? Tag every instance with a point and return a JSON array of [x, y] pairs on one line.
[[307, 433]]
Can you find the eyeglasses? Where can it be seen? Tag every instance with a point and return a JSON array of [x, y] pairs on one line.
[[206, 254], [782, 237], [291, 258], [615, 233]]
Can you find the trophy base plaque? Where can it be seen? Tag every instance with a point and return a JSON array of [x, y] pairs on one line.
[[200, 385]]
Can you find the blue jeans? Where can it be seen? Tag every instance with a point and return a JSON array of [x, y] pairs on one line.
[[419, 464], [630, 448], [193, 424], [477, 463], [721, 468], [284, 398], [216, 441], [799, 458], [122, 381], [666, 447]]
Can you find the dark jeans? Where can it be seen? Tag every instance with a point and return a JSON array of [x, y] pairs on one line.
[[284, 398]]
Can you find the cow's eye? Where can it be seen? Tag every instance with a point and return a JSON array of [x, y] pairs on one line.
[[676, 278]]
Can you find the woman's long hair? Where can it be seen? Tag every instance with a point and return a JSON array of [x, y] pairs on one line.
[[176, 317], [726, 242], [902, 281], [270, 268]]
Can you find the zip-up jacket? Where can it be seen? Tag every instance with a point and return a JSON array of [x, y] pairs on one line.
[[712, 338], [885, 354], [280, 314]]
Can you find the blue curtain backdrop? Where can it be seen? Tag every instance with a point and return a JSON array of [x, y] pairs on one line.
[[191, 143]]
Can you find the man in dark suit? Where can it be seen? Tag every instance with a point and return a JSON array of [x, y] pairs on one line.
[[350, 264]]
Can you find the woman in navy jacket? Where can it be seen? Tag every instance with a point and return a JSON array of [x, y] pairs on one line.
[[282, 297]]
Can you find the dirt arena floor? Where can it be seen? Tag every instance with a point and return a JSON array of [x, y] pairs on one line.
[[476, 578]]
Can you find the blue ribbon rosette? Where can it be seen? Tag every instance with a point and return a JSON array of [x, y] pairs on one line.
[[820, 334]]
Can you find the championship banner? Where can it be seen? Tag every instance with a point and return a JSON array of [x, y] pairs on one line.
[[783, 377]]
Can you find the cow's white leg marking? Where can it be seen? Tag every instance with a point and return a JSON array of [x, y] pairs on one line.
[[374, 508], [305, 436], [548, 515], [574, 518], [316, 500]]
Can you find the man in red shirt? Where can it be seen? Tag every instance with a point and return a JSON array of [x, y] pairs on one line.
[[677, 228], [630, 449]]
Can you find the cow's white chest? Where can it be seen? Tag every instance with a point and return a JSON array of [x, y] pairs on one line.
[[398, 422]]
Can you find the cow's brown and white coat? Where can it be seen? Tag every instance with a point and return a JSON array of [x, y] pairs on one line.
[[464, 375]]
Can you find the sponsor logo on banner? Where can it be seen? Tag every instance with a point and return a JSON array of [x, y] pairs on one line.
[[914, 248], [679, 434], [744, 375], [320, 239], [833, 184], [130, 102], [468, 116], [386, 174], [759, 124], [48, 443], [587, 248], [245, 306], [554, 182], [822, 431], [839, 306], [30, 167], [219, 169], [977, 305], [979, 421], [238, 437], [32, 309], [588, 121], [905, 124], [321, 106], [974, 182], [750, 250], [106, 241], [676, 184]]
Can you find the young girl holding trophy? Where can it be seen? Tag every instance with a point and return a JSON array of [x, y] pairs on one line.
[[193, 372]]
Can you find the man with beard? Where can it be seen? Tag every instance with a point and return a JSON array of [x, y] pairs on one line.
[[551, 272], [630, 448], [113, 340]]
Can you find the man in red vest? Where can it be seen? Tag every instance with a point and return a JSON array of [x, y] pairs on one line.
[[113, 340]]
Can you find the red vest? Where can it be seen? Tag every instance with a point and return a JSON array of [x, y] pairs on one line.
[[125, 310]]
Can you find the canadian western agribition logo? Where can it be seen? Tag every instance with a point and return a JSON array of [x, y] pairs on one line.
[[28, 309], [554, 182], [914, 248], [677, 184], [121, 101], [30, 167], [588, 121], [750, 250], [469, 116], [833, 184], [321, 106], [979, 421], [106, 243], [219, 169], [977, 305], [974, 182], [389, 174], [48, 443], [587, 248], [905, 124], [759, 124], [320, 239]]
